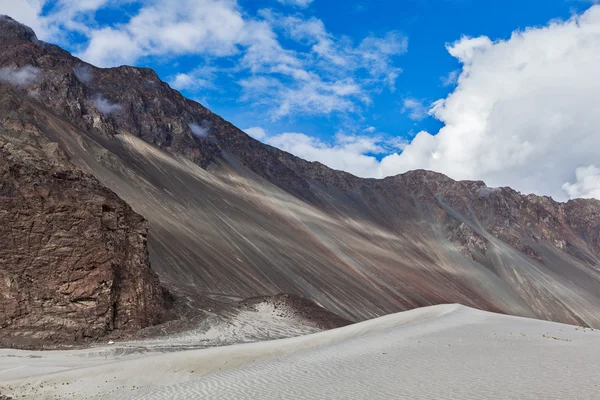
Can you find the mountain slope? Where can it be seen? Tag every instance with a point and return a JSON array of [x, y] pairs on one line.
[[73, 258], [230, 216]]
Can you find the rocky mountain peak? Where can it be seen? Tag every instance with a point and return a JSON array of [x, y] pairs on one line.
[[14, 30]]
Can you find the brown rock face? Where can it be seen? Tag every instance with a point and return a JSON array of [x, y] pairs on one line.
[[73, 257]]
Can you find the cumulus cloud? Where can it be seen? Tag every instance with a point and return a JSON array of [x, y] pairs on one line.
[[183, 81], [354, 153], [186, 81], [198, 78], [170, 27], [105, 106], [256, 132], [587, 183], [524, 113], [25, 76], [347, 153], [326, 75]]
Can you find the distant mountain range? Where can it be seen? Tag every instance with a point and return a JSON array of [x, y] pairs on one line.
[[230, 217]]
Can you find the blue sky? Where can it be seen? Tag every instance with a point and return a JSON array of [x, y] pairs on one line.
[[355, 84], [428, 25]]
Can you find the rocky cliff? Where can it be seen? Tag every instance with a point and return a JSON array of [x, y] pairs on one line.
[[73, 258], [230, 216]]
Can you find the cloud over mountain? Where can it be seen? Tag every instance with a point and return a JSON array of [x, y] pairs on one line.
[[523, 114]]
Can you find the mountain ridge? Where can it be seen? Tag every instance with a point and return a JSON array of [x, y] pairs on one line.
[[230, 215]]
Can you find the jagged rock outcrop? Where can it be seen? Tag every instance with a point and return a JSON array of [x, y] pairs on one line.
[[73, 258], [230, 216]]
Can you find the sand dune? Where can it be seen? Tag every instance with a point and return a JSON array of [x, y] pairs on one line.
[[439, 352]]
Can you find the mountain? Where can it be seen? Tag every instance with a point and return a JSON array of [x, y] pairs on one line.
[[230, 217]]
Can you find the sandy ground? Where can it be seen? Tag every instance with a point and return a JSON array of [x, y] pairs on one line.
[[439, 352]]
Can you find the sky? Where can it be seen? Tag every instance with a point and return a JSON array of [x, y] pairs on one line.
[[504, 91]]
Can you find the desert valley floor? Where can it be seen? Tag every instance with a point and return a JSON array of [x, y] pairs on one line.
[[445, 351]]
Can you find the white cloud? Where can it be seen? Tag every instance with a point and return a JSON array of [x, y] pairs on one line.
[[256, 132], [171, 28], [395, 143], [168, 27], [376, 55], [198, 78], [199, 130], [353, 153], [312, 97], [73, 15], [299, 3], [19, 76], [587, 184], [110, 47], [83, 73], [184, 81], [415, 109], [105, 106], [524, 113], [347, 153]]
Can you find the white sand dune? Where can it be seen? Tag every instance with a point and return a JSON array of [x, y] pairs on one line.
[[439, 352]]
